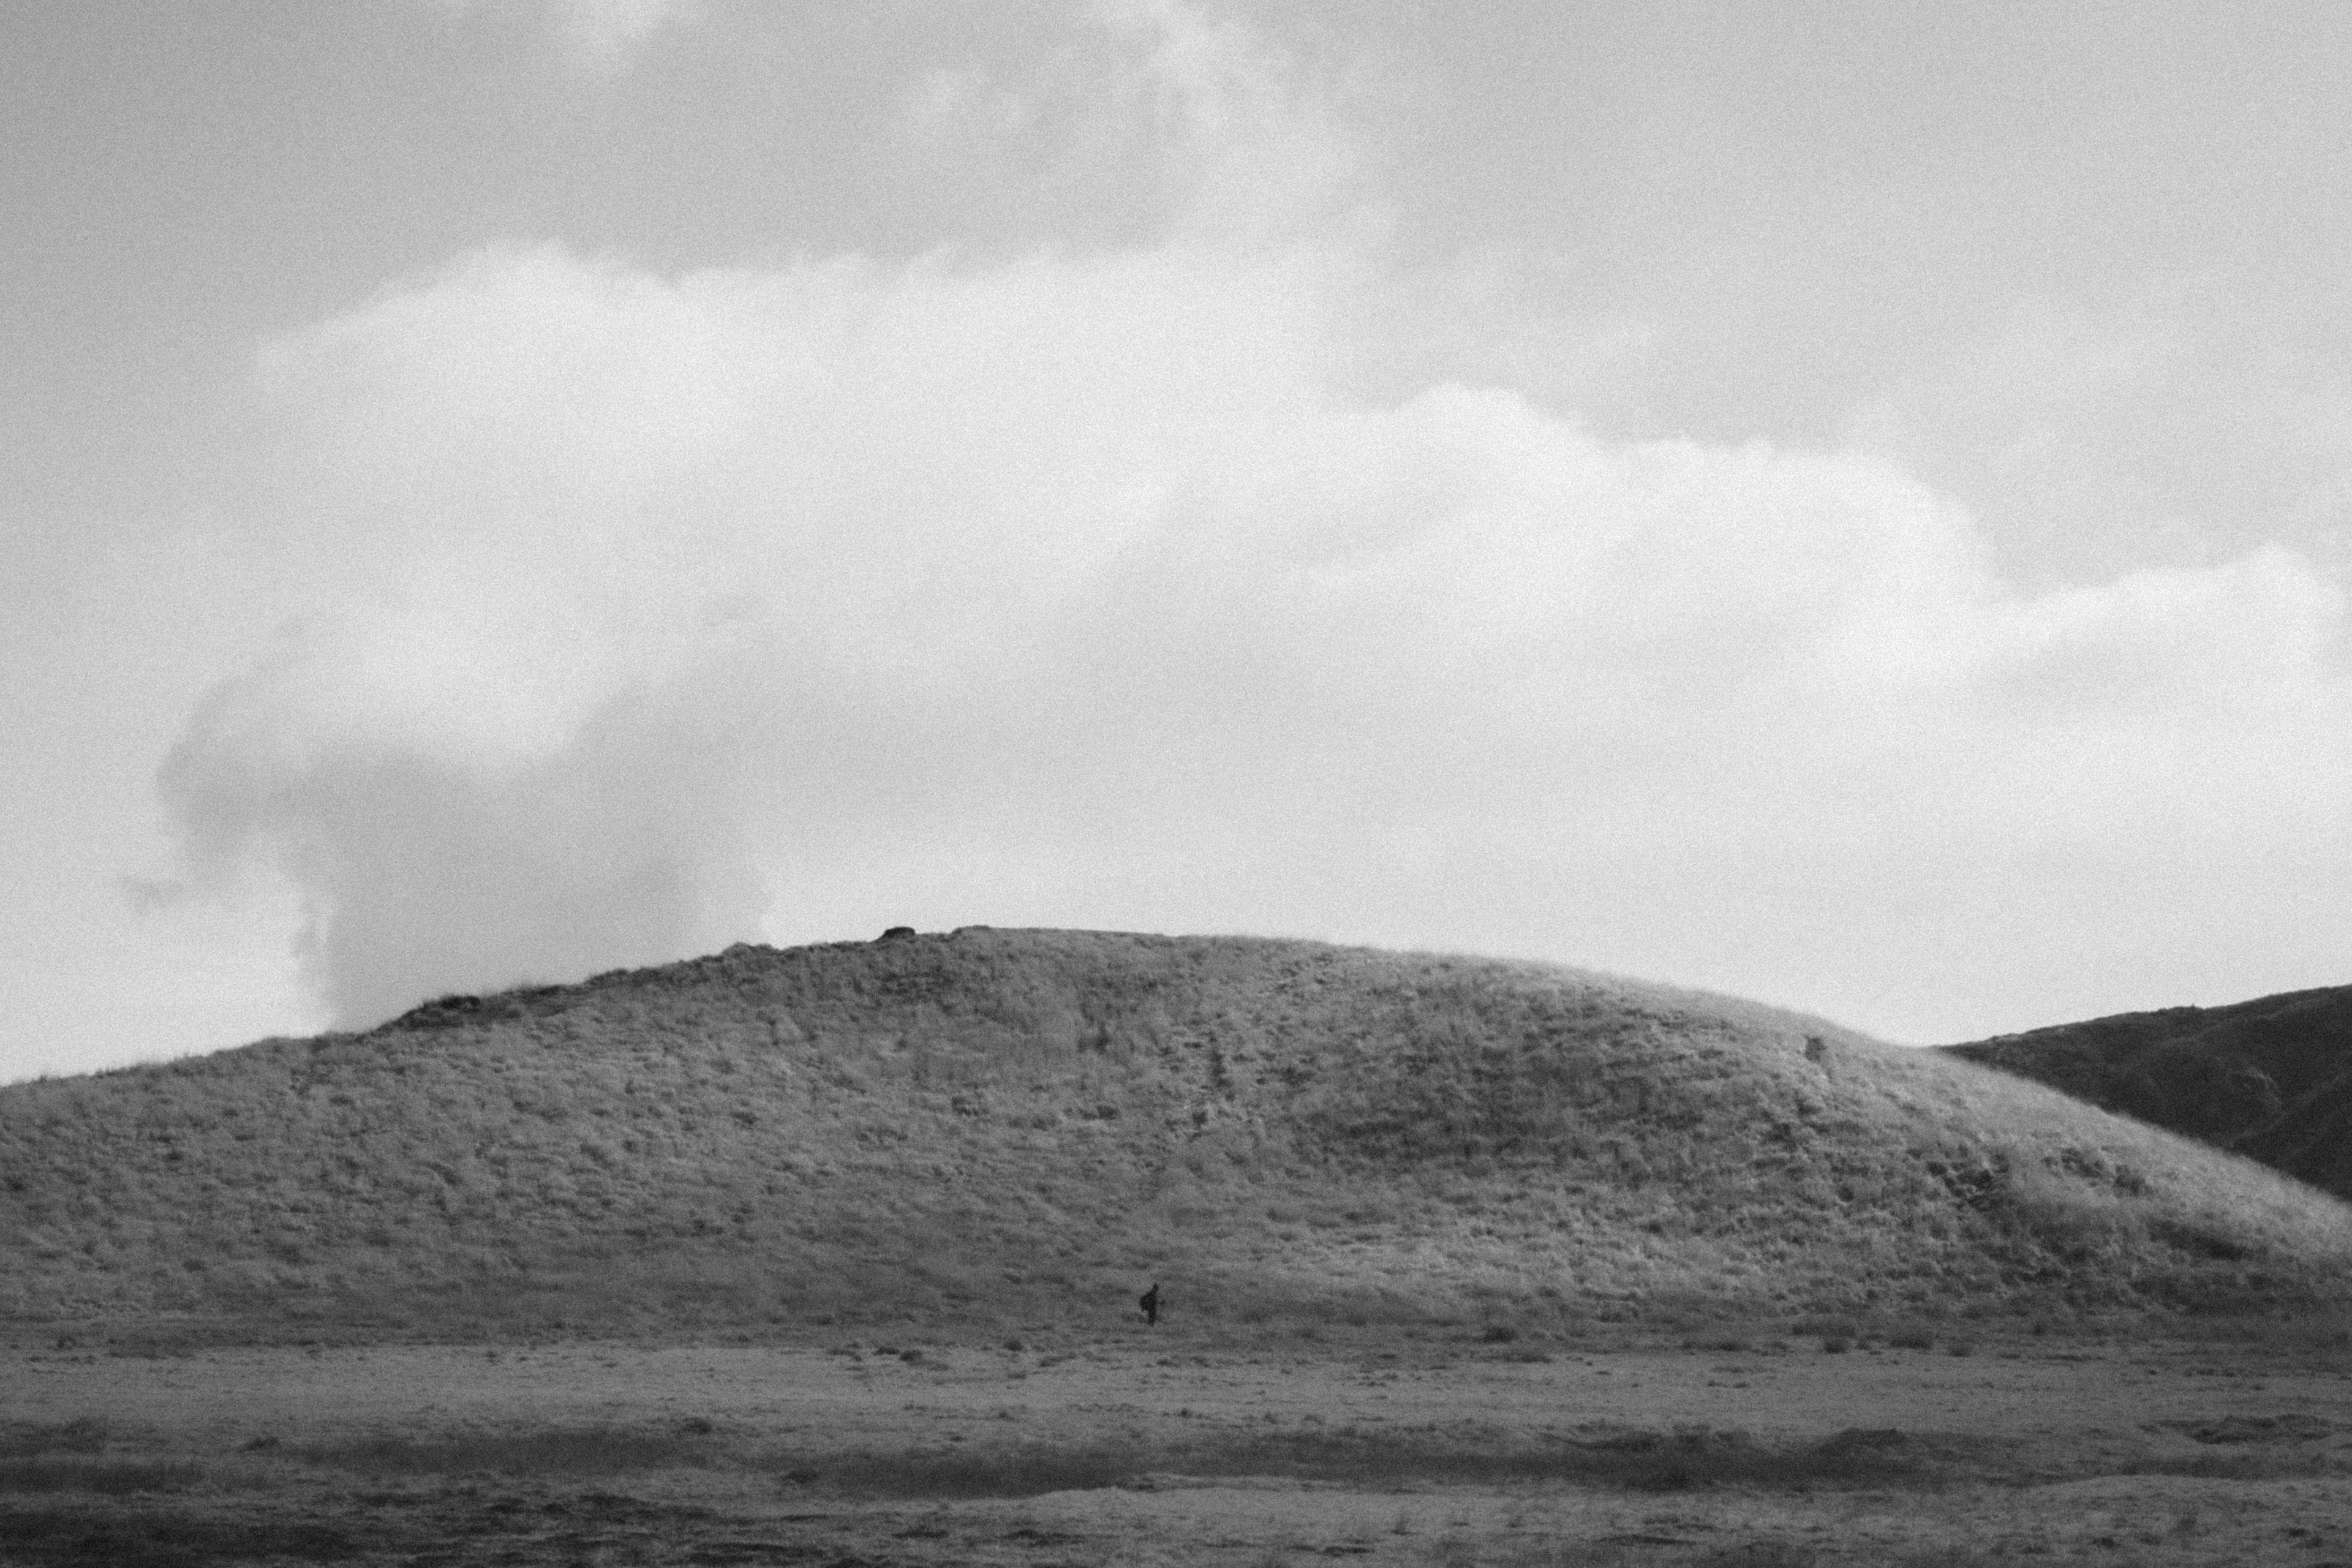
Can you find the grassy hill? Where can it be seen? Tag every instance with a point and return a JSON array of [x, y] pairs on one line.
[[2271, 1079], [992, 1128]]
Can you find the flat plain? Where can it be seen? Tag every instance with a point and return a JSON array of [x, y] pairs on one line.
[[1180, 1448]]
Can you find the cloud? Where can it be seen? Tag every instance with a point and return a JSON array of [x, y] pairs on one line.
[[2092, 428], [961, 101], [433, 851], [666, 603], [1147, 118], [602, 33], [1248, 145], [606, 30], [656, 611]]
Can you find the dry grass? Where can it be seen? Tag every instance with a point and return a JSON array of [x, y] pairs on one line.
[[1001, 1130]]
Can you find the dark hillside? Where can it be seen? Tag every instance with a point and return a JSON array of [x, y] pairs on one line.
[[1012, 1127], [2271, 1079]]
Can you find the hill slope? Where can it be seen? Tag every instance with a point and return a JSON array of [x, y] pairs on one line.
[[2271, 1079], [1015, 1126]]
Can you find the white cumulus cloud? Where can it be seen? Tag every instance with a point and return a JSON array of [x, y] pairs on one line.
[[659, 611]]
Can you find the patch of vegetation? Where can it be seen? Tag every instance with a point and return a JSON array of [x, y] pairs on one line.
[[1632, 1460], [65, 1535], [1030, 1471], [590, 1451], [2265, 1465]]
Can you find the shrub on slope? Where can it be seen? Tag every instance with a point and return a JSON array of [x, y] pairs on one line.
[[997, 1126]]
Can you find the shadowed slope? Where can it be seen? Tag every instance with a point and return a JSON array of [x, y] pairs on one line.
[[996, 1126], [2271, 1079]]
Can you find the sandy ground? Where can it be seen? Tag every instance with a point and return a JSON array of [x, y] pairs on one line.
[[2114, 1454]]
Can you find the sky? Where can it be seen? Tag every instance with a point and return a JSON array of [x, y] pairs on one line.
[[1841, 503]]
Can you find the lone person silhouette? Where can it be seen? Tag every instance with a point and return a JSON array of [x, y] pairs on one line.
[[1149, 1302]]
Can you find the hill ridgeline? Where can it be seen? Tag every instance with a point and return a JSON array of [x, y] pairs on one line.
[[990, 1127]]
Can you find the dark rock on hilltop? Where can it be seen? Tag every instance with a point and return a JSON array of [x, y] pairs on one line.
[[2271, 1079]]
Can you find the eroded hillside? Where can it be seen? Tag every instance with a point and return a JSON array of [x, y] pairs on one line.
[[989, 1127]]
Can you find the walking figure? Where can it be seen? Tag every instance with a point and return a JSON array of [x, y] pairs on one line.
[[1149, 1302]]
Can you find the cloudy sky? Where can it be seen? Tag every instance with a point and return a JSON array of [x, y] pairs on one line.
[[1839, 501]]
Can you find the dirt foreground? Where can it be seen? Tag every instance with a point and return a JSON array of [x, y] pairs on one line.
[[1176, 1450]]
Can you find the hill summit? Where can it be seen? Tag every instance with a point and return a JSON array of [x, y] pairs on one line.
[[989, 1127]]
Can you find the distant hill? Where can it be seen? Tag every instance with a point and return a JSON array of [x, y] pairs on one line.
[[2271, 1079], [995, 1127]]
